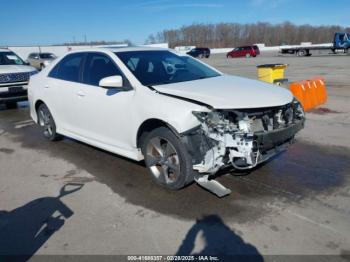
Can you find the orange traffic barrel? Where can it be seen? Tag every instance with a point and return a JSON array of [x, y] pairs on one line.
[[322, 91], [299, 90], [312, 93], [317, 92], [307, 100]]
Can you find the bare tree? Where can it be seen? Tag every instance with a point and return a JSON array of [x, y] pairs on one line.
[[234, 34]]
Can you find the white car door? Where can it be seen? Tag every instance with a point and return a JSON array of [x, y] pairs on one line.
[[104, 115], [62, 92]]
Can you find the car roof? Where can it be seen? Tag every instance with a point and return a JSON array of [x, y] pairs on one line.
[[120, 49], [136, 48]]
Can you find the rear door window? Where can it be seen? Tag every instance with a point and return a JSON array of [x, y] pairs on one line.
[[69, 68]]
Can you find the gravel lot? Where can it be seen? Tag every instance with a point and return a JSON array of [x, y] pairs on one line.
[[298, 203]]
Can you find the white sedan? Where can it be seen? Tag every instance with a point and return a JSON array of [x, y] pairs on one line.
[[186, 119]]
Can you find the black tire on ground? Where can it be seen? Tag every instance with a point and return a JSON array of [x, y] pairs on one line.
[[47, 123], [11, 105], [301, 52], [167, 159], [42, 66]]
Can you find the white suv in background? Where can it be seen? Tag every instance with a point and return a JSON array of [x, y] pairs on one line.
[[14, 78], [185, 118]]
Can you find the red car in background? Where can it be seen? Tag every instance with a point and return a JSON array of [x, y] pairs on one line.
[[244, 51]]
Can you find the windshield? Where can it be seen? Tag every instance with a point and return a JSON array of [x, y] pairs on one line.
[[10, 58], [164, 67], [47, 56]]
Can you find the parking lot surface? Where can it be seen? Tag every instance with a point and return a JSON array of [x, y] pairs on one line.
[[297, 203]]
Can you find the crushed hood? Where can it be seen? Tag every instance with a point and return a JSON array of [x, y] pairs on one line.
[[9, 69], [229, 92]]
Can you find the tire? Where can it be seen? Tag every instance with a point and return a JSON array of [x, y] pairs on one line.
[[301, 52], [42, 66], [167, 159], [201, 56], [11, 105], [47, 123]]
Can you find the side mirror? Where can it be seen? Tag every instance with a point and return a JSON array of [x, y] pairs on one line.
[[111, 82]]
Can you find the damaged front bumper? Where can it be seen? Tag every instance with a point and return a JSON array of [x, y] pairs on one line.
[[241, 139]]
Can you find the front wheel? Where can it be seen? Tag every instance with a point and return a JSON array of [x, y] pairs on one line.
[[47, 122], [167, 159]]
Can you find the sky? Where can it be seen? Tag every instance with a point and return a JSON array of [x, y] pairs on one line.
[[39, 22]]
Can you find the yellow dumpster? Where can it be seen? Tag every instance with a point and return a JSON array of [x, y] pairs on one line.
[[272, 73]]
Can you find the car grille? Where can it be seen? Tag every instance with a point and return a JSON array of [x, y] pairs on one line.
[[14, 77], [17, 94]]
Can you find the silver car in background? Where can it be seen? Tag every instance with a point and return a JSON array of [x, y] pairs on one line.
[[40, 60]]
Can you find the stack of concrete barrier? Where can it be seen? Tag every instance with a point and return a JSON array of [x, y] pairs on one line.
[[310, 93]]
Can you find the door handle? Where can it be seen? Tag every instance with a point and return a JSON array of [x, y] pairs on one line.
[[81, 94]]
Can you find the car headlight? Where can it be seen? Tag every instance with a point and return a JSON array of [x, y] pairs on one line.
[[211, 118]]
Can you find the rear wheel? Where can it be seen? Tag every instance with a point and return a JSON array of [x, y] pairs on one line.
[[167, 159], [301, 52], [47, 122], [11, 105]]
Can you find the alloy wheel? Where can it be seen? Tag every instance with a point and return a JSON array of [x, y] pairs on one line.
[[163, 160], [45, 121]]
